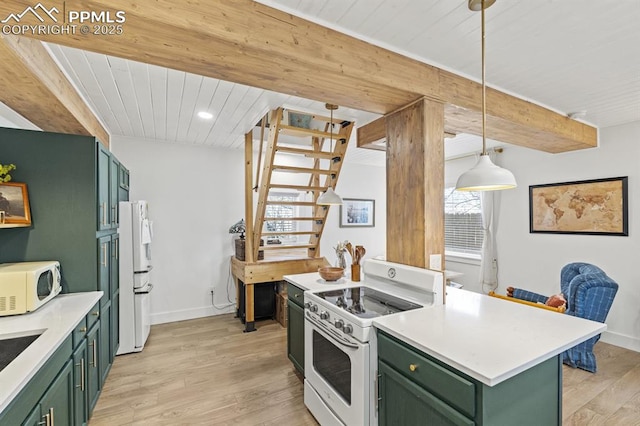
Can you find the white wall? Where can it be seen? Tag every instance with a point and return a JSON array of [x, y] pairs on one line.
[[195, 194], [533, 261], [365, 182]]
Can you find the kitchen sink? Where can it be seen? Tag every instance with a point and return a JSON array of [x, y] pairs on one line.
[[13, 344]]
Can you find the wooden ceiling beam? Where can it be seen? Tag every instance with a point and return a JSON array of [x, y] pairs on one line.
[[32, 84], [249, 43]]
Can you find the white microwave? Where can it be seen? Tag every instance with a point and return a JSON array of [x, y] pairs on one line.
[[26, 286]]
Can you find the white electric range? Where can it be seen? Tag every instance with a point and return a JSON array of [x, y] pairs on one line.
[[340, 379]]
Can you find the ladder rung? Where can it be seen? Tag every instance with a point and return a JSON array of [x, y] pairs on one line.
[[292, 203], [308, 153], [269, 234], [318, 117], [299, 187], [280, 219], [299, 131], [286, 246], [291, 169]]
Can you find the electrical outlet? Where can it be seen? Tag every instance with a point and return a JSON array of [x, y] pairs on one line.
[[435, 262]]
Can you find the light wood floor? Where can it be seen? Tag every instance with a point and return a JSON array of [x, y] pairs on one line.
[[208, 372]]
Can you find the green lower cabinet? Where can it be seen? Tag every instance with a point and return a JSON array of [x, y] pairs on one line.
[[56, 406], [93, 370], [105, 352], [80, 399], [416, 389], [405, 403], [295, 326], [295, 336], [115, 323]]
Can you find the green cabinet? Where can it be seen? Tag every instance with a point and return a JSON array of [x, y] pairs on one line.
[[86, 374], [80, 399], [104, 267], [50, 391], [56, 405], [416, 389], [104, 192], [114, 187], [93, 367], [295, 326], [74, 186], [104, 348]]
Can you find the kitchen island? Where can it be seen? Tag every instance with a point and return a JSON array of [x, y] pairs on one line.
[[474, 360], [28, 376]]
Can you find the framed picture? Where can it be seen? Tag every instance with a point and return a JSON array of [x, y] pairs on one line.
[[357, 213], [592, 207], [14, 202]]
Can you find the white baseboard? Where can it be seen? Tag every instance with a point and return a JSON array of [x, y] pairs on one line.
[[187, 314], [627, 342]]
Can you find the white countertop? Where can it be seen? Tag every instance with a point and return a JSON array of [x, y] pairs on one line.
[[487, 338], [57, 318]]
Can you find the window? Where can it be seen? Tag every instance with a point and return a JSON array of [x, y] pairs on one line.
[[281, 211], [462, 222]]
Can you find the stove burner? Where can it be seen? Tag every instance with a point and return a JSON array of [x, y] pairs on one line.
[[340, 303], [365, 302]]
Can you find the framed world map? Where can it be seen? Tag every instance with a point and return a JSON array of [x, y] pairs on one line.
[[592, 207]]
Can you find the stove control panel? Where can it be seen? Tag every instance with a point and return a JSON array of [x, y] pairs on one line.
[[335, 322]]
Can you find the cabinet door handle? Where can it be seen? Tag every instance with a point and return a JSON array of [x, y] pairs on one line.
[[113, 214], [104, 254], [413, 367], [93, 353], [83, 330], [53, 421], [81, 365], [103, 207], [46, 420], [95, 360], [96, 313]]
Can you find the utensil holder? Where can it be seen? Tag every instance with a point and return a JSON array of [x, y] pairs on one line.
[[355, 273]]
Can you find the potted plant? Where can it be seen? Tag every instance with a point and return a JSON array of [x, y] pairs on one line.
[[4, 172]]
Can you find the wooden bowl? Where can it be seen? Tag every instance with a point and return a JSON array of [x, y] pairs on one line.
[[330, 273]]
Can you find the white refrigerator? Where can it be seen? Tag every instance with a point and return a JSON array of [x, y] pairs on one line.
[[135, 270]]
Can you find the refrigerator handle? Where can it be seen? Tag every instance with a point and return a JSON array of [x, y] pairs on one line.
[[149, 288]]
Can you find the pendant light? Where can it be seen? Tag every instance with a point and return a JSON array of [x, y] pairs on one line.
[[484, 176], [329, 197]]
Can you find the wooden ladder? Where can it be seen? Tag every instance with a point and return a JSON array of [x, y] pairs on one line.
[[323, 172]]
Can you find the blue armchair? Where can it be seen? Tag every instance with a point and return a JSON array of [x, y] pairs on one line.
[[589, 293]]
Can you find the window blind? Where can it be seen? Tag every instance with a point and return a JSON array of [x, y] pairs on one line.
[[462, 222]]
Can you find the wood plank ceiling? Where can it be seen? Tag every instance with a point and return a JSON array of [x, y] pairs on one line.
[[138, 100]]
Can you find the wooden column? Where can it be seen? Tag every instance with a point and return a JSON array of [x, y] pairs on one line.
[[248, 219], [415, 184], [248, 197]]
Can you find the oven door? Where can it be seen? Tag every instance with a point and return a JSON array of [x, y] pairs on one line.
[[338, 370]]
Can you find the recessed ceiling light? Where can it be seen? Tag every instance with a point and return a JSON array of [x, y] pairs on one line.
[[206, 115]]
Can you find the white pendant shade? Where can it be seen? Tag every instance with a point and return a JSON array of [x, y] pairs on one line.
[[329, 198], [486, 176]]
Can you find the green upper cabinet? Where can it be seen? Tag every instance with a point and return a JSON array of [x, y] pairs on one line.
[[123, 182], [104, 205], [114, 175]]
